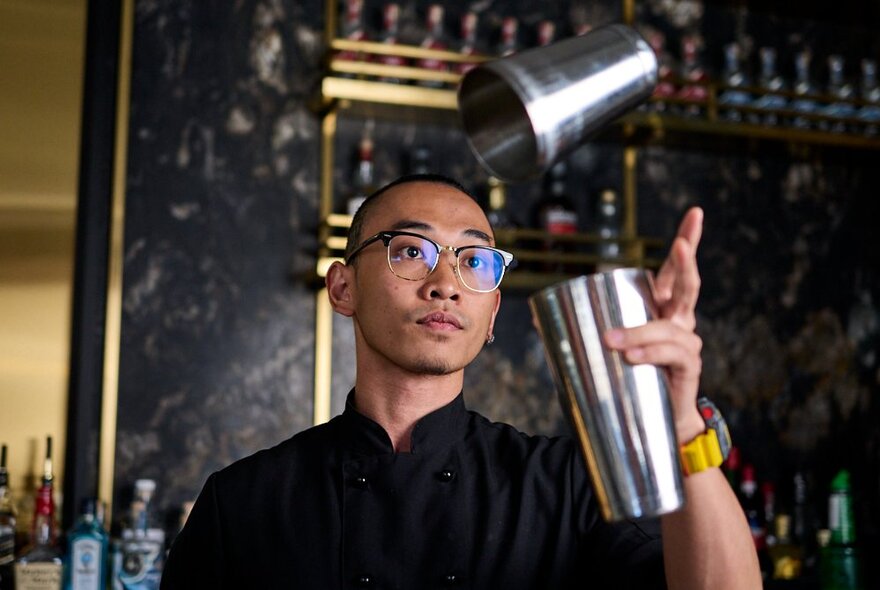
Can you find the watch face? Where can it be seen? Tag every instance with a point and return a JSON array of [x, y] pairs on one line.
[[714, 420]]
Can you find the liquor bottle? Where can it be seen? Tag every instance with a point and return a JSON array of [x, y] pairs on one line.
[[496, 210], [509, 36], [39, 566], [87, 546], [7, 526], [843, 92], [748, 498], [731, 468], [363, 180], [435, 39], [420, 160], [770, 83], [546, 33], [582, 28], [556, 215], [665, 87], [786, 555], [142, 550], [734, 78], [840, 561], [608, 220], [804, 89], [695, 91], [768, 514], [352, 28], [869, 114], [390, 20], [468, 33], [799, 525]]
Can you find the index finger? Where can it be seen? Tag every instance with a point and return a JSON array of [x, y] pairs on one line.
[[690, 230]]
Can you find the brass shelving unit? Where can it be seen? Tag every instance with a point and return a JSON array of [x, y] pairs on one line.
[[354, 85]]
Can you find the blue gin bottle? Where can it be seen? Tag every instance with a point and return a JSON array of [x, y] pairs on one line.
[[734, 79], [87, 551], [143, 544], [843, 93], [869, 114], [770, 82], [805, 91]]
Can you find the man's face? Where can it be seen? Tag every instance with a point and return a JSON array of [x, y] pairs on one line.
[[435, 325]]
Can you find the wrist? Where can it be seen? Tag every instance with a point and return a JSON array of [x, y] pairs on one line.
[[710, 446], [689, 427]]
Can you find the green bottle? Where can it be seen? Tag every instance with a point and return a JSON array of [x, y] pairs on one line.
[[839, 561]]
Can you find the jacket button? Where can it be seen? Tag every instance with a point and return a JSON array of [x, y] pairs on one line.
[[446, 475], [451, 580], [363, 581], [360, 482]]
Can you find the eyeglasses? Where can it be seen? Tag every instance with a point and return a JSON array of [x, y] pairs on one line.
[[413, 257]]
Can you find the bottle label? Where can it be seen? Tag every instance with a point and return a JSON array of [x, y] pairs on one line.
[[7, 544], [392, 60], [142, 562], [37, 576], [431, 63], [840, 519], [86, 564], [560, 221]]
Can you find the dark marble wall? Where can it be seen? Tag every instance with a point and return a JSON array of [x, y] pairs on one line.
[[217, 340]]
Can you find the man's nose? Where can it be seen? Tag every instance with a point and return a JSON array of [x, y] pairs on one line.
[[443, 283]]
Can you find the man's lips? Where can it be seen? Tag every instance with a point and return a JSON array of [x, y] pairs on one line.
[[441, 320]]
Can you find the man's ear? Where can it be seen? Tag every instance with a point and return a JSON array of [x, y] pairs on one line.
[[495, 311], [340, 288]]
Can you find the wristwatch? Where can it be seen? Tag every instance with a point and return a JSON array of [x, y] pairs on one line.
[[710, 448]]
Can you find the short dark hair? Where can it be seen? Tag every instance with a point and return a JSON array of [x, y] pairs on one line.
[[357, 222]]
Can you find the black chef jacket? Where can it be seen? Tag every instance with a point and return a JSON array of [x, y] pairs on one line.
[[474, 504]]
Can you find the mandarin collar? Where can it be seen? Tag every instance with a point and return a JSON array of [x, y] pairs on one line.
[[437, 430]]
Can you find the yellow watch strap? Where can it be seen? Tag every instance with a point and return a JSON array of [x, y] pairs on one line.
[[701, 453]]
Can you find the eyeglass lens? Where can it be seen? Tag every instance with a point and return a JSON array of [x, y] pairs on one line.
[[414, 258]]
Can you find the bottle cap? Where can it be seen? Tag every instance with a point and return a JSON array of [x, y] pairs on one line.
[[87, 506], [782, 526], [145, 485], [840, 483], [733, 459]]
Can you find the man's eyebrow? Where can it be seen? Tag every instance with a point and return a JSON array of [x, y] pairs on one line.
[[411, 224], [480, 235]]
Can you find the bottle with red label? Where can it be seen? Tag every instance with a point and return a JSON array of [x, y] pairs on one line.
[[434, 39], [731, 468], [390, 20], [751, 504], [509, 36], [352, 29], [40, 565], [768, 514], [665, 87], [363, 181], [695, 90], [546, 33], [469, 22], [557, 216], [608, 224]]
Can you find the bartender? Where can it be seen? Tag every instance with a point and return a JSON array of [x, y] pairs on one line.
[[408, 489]]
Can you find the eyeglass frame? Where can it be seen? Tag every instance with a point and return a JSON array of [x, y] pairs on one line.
[[387, 235]]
